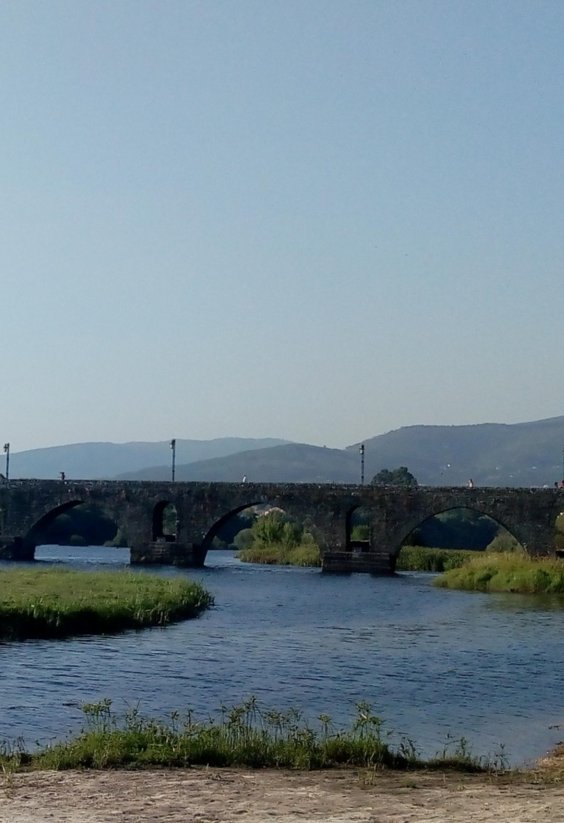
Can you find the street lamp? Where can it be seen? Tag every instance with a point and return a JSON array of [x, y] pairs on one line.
[[361, 450], [173, 447], [7, 453]]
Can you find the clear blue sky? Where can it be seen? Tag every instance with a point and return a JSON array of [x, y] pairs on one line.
[[302, 219]]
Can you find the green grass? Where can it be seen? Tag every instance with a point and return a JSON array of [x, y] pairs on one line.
[[507, 572], [60, 602], [304, 555], [421, 559], [411, 558], [244, 736]]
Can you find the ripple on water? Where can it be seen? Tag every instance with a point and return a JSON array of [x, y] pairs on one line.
[[431, 662]]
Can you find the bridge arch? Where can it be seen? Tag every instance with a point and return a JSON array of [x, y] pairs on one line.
[[470, 529], [399, 537], [217, 526], [286, 504], [34, 534], [89, 524]]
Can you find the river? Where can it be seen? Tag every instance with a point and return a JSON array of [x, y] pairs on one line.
[[434, 664]]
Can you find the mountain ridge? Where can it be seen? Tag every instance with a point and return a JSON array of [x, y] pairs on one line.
[[493, 454]]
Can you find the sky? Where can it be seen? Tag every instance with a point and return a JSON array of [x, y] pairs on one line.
[[312, 219]]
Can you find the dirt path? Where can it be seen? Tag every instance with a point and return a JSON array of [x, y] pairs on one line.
[[225, 796]]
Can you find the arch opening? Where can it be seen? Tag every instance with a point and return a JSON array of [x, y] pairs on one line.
[[165, 522], [358, 530], [76, 523], [454, 531], [265, 533]]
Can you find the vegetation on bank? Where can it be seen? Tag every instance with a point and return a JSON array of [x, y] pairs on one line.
[[244, 736], [304, 555], [276, 539], [422, 559], [60, 602], [411, 558], [507, 572]]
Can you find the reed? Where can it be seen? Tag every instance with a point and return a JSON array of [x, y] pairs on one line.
[[246, 736], [60, 602], [306, 554], [507, 572], [422, 559]]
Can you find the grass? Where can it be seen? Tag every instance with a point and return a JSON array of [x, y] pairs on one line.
[[411, 558], [307, 554], [421, 559], [507, 572], [41, 603], [244, 736]]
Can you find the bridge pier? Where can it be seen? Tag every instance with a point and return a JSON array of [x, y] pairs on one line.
[[14, 548], [358, 561], [168, 553]]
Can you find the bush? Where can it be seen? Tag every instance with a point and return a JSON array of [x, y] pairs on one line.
[[275, 539], [505, 542], [421, 559], [507, 572]]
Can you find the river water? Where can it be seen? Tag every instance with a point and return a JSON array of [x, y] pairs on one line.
[[434, 664]]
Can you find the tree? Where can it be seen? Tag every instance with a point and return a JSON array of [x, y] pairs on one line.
[[395, 477]]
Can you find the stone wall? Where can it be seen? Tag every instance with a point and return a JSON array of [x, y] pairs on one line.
[[26, 505]]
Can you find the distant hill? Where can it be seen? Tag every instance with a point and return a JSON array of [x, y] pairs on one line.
[[90, 461], [291, 463], [492, 454], [521, 454]]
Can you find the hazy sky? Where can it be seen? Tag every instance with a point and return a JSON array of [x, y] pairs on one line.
[[307, 219]]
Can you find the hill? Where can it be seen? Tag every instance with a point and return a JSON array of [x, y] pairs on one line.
[[492, 454], [91, 461], [291, 463]]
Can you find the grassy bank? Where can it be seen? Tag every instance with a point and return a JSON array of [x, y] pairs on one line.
[[507, 572], [244, 735], [305, 555], [420, 559], [411, 558], [61, 602]]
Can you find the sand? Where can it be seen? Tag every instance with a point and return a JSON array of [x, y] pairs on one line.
[[227, 795]]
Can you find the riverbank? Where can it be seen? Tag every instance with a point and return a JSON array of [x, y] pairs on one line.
[[507, 572], [224, 796]]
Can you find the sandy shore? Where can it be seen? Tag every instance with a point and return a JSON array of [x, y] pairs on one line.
[[227, 795]]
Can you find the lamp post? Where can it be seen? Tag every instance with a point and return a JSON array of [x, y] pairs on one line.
[[361, 450], [173, 448], [7, 453]]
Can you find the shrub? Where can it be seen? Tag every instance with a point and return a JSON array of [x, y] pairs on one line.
[[507, 572]]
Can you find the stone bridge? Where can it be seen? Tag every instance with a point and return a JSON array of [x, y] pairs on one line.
[[26, 506]]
